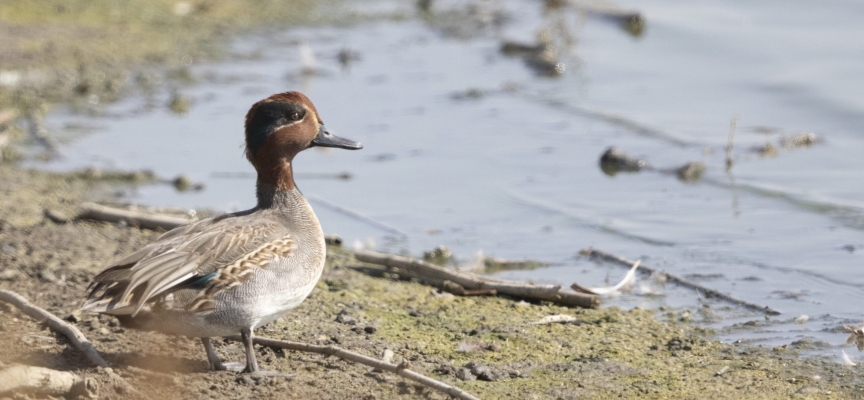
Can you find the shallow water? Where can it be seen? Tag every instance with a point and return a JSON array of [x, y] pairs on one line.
[[515, 172]]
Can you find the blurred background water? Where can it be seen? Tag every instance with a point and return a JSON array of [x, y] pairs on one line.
[[478, 150]]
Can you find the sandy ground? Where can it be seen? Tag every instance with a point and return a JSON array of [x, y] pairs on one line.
[[486, 345]]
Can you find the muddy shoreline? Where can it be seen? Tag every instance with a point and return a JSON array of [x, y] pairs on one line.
[[486, 345]]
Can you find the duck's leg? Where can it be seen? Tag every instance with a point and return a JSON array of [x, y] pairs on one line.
[[215, 362], [251, 360]]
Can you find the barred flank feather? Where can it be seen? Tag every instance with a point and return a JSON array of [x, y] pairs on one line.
[[182, 257], [235, 274]]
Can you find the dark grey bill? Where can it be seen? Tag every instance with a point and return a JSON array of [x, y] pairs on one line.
[[326, 139]]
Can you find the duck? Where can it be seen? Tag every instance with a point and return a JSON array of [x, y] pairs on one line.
[[233, 273]]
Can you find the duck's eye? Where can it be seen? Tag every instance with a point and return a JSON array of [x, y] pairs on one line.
[[295, 116]]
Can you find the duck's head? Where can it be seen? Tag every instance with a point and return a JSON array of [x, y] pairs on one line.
[[279, 127]]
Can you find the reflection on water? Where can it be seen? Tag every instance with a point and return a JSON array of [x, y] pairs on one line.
[[473, 149]]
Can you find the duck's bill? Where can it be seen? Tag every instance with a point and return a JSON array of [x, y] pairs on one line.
[[326, 139]]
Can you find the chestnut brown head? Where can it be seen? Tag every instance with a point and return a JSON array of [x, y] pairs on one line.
[[285, 124], [279, 127]]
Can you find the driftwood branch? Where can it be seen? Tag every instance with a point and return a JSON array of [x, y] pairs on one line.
[[29, 379], [71, 332], [402, 369], [471, 282], [66, 329], [98, 212], [600, 255], [147, 220]]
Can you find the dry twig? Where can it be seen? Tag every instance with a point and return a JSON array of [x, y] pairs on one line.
[[68, 330], [597, 254], [471, 282], [402, 369]]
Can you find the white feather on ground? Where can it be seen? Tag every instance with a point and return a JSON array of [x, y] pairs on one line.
[[625, 284]]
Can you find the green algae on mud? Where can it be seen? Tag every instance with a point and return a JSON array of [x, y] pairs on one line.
[[486, 345], [84, 51], [69, 33]]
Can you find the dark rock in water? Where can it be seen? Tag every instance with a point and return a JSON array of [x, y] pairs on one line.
[[182, 183], [472, 93], [179, 104], [347, 56], [691, 171], [809, 343], [800, 140], [441, 255], [634, 24], [545, 64], [517, 49], [614, 161]]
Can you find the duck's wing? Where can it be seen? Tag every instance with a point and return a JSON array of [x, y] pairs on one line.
[[188, 256]]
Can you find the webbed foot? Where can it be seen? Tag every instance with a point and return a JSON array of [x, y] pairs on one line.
[[230, 366]]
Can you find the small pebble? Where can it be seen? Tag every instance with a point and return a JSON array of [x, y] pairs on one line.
[[344, 318], [465, 374], [75, 316], [245, 379], [9, 275]]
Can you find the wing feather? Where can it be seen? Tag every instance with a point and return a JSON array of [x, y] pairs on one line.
[[178, 255]]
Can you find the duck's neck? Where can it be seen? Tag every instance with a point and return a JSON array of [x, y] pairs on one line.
[[272, 196], [275, 181], [274, 178]]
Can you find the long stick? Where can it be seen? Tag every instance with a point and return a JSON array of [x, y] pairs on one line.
[[600, 255], [402, 369], [98, 212], [70, 331], [469, 281]]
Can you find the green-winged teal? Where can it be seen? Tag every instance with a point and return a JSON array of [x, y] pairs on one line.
[[233, 273]]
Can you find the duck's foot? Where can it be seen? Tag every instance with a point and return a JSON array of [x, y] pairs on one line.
[[230, 366]]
